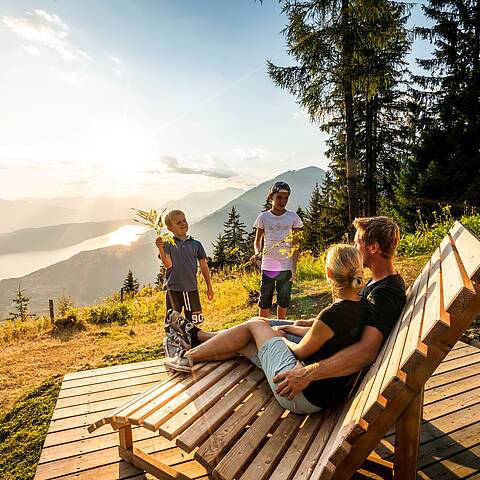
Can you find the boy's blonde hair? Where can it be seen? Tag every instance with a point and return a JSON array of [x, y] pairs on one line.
[[169, 215], [346, 265], [382, 230]]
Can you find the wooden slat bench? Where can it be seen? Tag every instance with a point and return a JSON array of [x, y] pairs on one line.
[[227, 416]]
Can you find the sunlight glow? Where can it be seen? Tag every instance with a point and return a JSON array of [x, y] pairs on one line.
[[126, 235]]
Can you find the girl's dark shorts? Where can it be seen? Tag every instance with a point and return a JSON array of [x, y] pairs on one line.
[[279, 281]]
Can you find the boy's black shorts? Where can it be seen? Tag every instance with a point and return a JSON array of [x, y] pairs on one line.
[[279, 281], [189, 302]]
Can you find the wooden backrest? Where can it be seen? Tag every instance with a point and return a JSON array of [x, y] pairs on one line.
[[440, 306]]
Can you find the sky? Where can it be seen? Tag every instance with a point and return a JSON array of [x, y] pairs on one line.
[[153, 98]]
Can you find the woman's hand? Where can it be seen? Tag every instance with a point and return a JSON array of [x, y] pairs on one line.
[[279, 330]]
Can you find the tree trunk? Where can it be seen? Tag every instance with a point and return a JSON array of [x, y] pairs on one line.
[[370, 160], [351, 167]]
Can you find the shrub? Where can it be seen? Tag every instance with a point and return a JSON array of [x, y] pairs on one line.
[[108, 313], [70, 320]]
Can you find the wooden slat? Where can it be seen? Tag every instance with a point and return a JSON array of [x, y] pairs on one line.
[[240, 453], [265, 461], [191, 412], [436, 319], [311, 459], [293, 456], [458, 290], [154, 420], [208, 423], [134, 412], [220, 441], [468, 247]]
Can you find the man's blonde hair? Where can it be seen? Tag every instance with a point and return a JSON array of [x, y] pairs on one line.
[[346, 267], [169, 215], [382, 230]]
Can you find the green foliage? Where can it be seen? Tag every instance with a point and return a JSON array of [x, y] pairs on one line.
[[234, 238], [21, 306], [428, 236], [134, 354], [130, 284], [111, 312], [23, 430], [69, 319], [313, 228], [310, 267]]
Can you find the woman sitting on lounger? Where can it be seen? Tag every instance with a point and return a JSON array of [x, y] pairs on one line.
[[336, 326]]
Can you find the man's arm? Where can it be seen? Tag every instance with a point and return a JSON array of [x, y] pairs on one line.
[[345, 362]]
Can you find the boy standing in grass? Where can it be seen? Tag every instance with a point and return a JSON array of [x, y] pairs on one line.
[[180, 261], [278, 228]]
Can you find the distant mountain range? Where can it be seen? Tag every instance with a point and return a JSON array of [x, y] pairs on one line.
[[90, 276], [34, 213]]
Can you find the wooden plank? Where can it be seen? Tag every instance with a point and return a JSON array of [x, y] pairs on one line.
[[436, 319], [458, 290], [314, 453], [412, 353], [458, 363], [229, 466], [154, 420], [147, 462], [265, 461], [407, 439], [126, 367], [192, 411], [451, 390], [221, 440], [288, 465], [464, 351], [135, 411], [208, 423], [468, 247], [112, 377], [451, 376]]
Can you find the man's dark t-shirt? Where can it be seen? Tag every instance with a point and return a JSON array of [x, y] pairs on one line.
[[387, 299], [346, 318]]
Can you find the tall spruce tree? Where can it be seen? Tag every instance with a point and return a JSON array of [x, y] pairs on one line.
[[234, 237], [21, 305], [130, 284], [444, 167], [312, 232], [220, 257]]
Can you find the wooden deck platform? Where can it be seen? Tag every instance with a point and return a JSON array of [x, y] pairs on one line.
[[450, 441]]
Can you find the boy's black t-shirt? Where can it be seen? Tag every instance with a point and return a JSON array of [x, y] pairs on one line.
[[346, 318], [387, 299]]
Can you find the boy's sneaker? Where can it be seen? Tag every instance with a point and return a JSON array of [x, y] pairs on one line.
[[170, 348], [176, 340], [181, 326], [179, 363]]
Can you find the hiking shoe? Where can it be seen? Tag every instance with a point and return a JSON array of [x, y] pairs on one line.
[[179, 363], [170, 348], [176, 340], [181, 326]]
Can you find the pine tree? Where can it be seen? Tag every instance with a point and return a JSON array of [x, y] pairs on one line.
[[160, 278], [130, 284], [234, 238], [219, 252], [446, 150], [312, 230], [250, 245], [21, 306], [301, 213]]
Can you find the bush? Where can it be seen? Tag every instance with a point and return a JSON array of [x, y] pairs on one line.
[[69, 320], [108, 313]]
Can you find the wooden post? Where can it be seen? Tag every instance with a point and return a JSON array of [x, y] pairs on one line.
[[52, 313], [121, 295], [126, 439], [407, 438]]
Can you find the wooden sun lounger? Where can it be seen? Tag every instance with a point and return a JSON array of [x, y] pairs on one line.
[[226, 414]]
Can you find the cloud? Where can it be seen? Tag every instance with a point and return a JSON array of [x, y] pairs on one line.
[[211, 167], [119, 66], [44, 32]]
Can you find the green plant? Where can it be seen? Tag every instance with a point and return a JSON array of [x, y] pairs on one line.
[[70, 319], [108, 313]]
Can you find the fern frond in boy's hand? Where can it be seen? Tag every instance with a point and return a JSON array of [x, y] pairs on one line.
[[152, 219]]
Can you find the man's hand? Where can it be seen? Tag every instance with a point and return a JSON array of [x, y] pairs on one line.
[[291, 382], [302, 323], [210, 293], [279, 330]]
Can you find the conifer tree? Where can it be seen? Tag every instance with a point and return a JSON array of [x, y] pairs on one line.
[[312, 231], [130, 284], [234, 237], [21, 306], [160, 278], [219, 252], [301, 213]]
